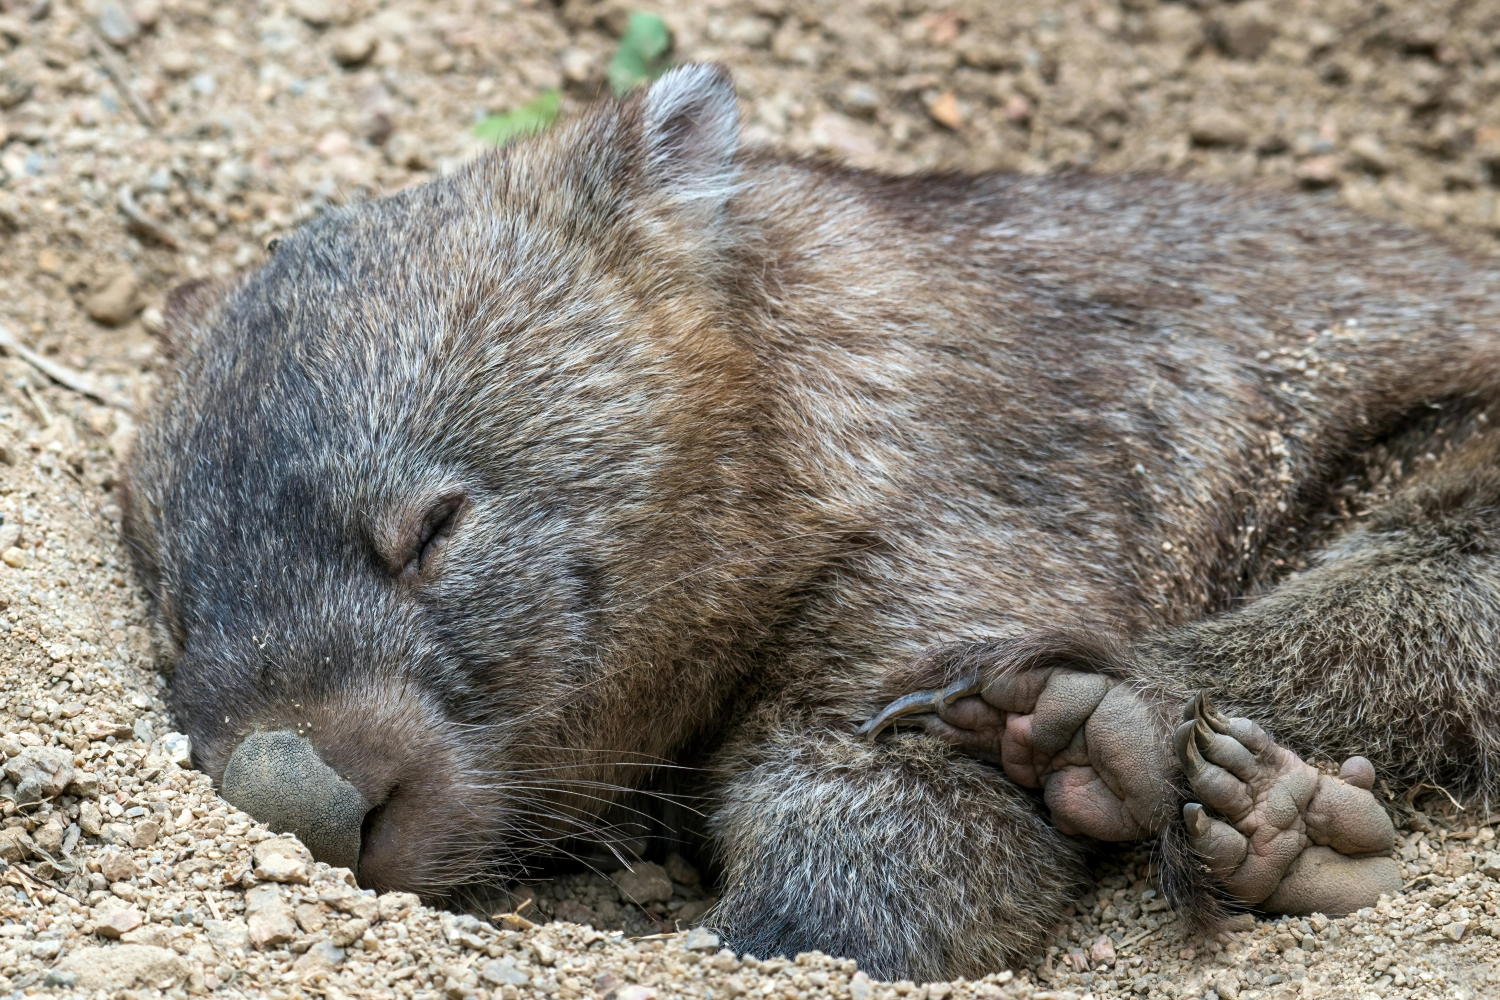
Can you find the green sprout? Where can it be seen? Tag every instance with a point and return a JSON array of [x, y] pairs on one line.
[[640, 58], [642, 55], [535, 115]]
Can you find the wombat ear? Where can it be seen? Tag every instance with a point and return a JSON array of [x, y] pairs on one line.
[[691, 126], [188, 310]]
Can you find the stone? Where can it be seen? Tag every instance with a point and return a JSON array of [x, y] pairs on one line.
[[1317, 171], [116, 866], [1455, 930], [860, 987], [320, 957], [15, 844], [282, 859], [751, 32], [124, 967], [49, 836], [503, 972], [701, 939], [310, 917], [1246, 31], [349, 932], [12, 212], [1217, 127], [178, 747], [406, 151], [117, 834], [395, 905], [353, 46], [861, 100], [268, 917], [1240, 922], [116, 302], [177, 63], [145, 834], [320, 13], [635, 991], [229, 937], [99, 730], [577, 65], [85, 785], [40, 773], [119, 922], [146, 934], [1369, 154], [13, 557], [646, 883], [146, 13], [116, 25], [353, 901], [90, 819], [1227, 984], [1103, 951], [946, 111], [694, 909], [679, 871]]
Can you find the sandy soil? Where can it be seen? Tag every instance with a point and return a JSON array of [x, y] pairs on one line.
[[146, 143]]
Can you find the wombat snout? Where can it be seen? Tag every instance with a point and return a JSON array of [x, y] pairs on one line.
[[279, 778]]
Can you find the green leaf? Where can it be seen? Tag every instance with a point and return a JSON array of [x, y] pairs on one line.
[[533, 116], [642, 55]]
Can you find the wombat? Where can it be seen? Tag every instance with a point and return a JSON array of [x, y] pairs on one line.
[[956, 525]]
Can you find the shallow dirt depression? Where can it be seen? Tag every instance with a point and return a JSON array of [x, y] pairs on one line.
[[146, 143]]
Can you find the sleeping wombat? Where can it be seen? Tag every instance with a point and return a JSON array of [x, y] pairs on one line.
[[475, 501]]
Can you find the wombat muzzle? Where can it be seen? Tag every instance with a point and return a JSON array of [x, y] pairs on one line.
[[278, 778]]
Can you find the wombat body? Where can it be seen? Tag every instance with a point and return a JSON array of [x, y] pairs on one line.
[[624, 443]]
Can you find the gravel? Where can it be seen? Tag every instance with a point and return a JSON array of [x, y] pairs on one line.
[[149, 142]]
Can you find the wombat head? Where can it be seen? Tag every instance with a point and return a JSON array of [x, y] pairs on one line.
[[438, 510]]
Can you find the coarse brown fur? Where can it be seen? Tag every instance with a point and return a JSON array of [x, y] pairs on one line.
[[623, 440]]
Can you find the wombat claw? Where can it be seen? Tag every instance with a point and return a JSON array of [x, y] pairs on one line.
[[931, 701], [1292, 840]]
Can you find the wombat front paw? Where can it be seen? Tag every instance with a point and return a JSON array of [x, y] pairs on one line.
[[1086, 739], [1292, 839]]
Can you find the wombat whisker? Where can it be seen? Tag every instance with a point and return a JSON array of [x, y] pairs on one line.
[[612, 803], [671, 798], [574, 767], [648, 760]]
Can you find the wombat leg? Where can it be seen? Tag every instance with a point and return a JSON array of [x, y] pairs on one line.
[[1087, 740], [913, 860], [1292, 839]]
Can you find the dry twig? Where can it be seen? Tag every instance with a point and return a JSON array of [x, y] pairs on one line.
[[116, 72], [63, 376], [143, 223]]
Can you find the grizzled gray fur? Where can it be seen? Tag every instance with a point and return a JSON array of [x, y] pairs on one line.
[[952, 526]]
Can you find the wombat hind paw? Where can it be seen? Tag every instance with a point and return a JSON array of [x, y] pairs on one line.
[[1291, 839], [1087, 740]]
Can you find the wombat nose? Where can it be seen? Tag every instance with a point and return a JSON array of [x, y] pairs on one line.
[[278, 778]]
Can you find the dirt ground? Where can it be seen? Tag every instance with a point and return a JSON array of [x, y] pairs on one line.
[[146, 143]]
